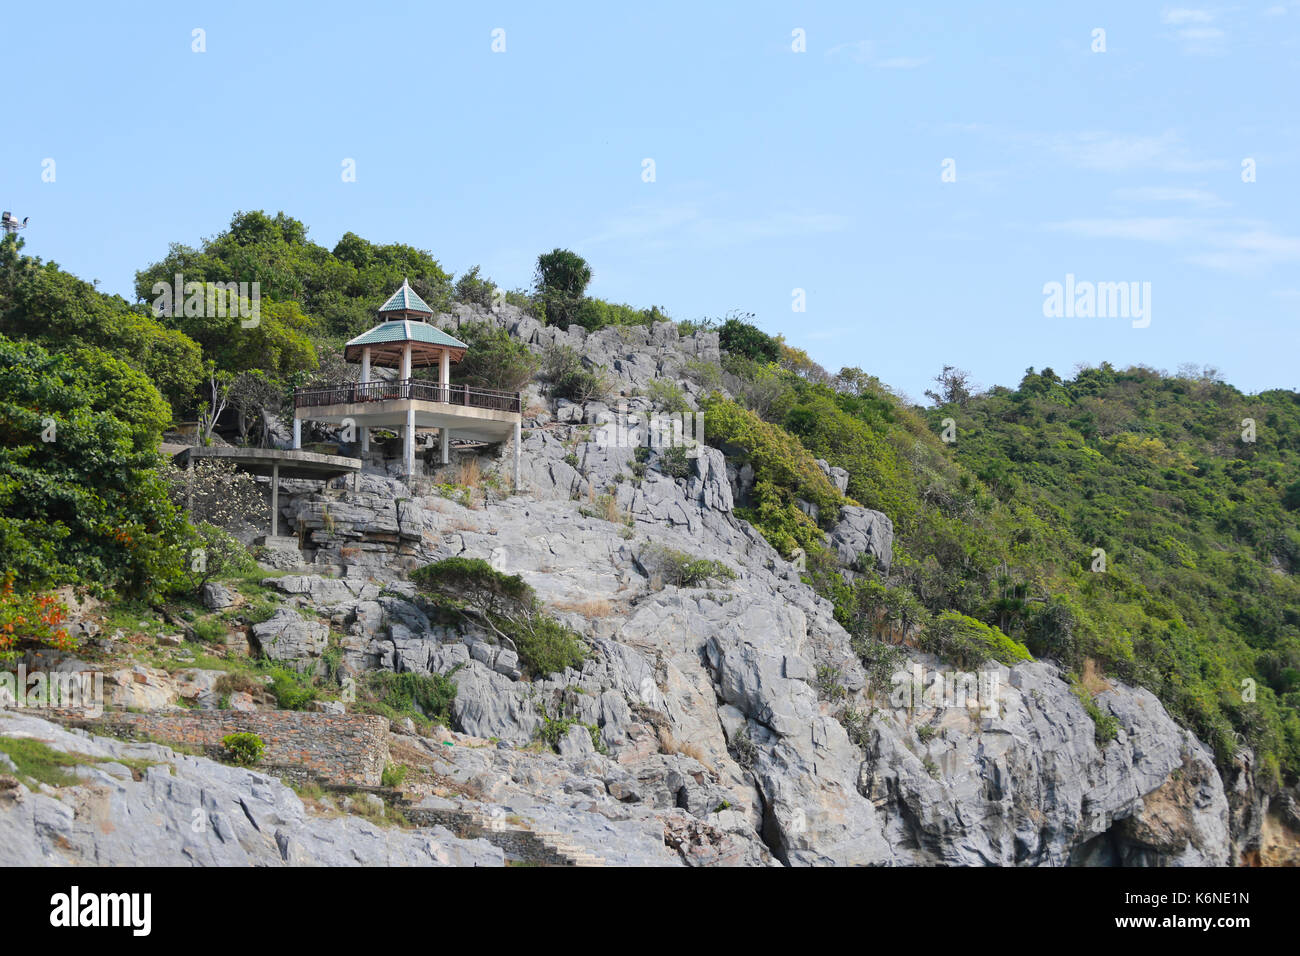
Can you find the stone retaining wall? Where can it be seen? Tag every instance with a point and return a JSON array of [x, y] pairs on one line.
[[332, 748]]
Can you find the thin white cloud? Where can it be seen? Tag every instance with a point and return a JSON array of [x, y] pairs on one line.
[[859, 51], [654, 227], [1241, 246], [864, 51], [1117, 152], [1144, 229], [1181, 15], [1194, 32], [902, 63], [1197, 197]]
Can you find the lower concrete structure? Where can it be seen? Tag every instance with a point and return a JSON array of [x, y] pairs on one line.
[[276, 463]]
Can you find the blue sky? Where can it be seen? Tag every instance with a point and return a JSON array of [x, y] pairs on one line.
[[775, 170]]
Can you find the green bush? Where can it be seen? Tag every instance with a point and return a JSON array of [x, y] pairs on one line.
[[743, 338], [683, 570], [407, 693], [561, 280], [675, 463], [85, 506], [291, 690], [666, 395], [494, 359], [475, 290], [508, 606], [243, 748], [784, 472], [210, 631], [571, 379], [595, 314], [474, 582], [969, 642], [546, 646], [1105, 724]]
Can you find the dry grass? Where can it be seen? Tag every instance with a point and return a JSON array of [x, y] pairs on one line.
[[236, 683], [469, 475], [597, 607], [1092, 680], [671, 745]]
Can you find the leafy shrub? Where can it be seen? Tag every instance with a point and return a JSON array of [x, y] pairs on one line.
[[291, 690], [394, 774], [474, 582], [969, 642], [208, 553], [244, 749], [595, 314], [666, 395], [494, 359], [547, 647], [507, 606], [742, 748], [689, 327], [31, 619], [475, 290], [555, 729], [707, 375], [880, 661], [571, 379], [740, 337], [683, 570], [784, 471], [1105, 724], [209, 631], [426, 695], [86, 507], [675, 463]]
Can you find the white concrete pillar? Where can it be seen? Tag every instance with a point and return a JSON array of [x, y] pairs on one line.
[[444, 441], [365, 440], [297, 432], [365, 364], [275, 499], [444, 373], [406, 362], [410, 442], [518, 437]]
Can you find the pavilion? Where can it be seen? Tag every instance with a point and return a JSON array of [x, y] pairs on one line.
[[405, 339]]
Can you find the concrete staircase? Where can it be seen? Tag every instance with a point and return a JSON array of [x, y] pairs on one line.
[[520, 843]]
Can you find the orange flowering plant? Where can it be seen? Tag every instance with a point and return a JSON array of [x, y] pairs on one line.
[[31, 618]]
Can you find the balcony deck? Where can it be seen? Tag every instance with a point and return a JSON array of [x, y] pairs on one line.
[[478, 413], [352, 392]]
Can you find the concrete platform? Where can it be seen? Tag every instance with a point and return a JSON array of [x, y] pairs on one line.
[[275, 462], [287, 462]]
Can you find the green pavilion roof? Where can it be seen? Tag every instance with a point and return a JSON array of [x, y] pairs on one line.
[[406, 330], [405, 300]]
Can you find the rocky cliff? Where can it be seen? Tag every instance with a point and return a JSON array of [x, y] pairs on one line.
[[725, 724]]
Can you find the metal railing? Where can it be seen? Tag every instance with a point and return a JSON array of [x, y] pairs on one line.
[[348, 393]]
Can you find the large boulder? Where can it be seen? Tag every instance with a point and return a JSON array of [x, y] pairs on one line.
[[288, 636], [862, 531]]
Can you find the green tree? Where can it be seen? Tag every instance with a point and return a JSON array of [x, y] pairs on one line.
[[562, 279], [80, 501]]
